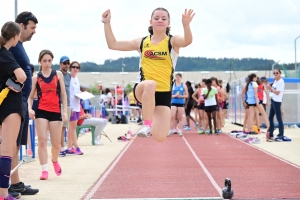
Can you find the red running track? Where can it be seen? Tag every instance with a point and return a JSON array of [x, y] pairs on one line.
[[149, 169]]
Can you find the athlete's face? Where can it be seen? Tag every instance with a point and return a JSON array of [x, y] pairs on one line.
[[160, 20], [178, 78], [46, 62]]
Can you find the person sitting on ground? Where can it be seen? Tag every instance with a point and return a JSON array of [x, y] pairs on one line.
[[99, 123]]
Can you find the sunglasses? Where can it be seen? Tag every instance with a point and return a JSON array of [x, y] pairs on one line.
[[74, 67], [29, 17], [275, 73], [66, 63]]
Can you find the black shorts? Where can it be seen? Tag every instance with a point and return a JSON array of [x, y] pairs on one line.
[[50, 116], [6, 113], [177, 105], [210, 108], [201, 106], [251, 104], [23, 133], [161, 98], [188, 109]]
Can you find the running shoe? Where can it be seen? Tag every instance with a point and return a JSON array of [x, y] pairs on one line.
[[13, 193], [271, 139], [98, 142], [144, 131], [9, 197], [62, 153], [187, 128], [180, 133], [22, 188], [70, 151], [44, 175], [78, 151], [200, 131], [57, 168]]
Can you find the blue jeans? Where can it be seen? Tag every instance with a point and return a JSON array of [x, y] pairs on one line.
[[275, 110]]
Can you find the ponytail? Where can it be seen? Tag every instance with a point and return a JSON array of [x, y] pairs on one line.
[[2, 41], [150, 30]]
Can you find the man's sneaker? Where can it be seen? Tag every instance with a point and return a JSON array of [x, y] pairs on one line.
[[57, 168], [218, 131], [200, 131], [62, 153], [144, 131], [70, 151], [23, 189], [9, 197], [78, 151], [187, 128], [13, 193], [279, 139], [44, 175]]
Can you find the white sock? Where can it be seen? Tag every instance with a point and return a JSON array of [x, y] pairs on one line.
[[44, 167]]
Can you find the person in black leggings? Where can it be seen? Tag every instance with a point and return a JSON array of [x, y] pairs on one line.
[[189, 105]]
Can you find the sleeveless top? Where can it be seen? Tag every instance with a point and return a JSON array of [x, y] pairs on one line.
[[48, 91], [260, 92], [180, 90], [157, 63], [200, 96], [250, 94]]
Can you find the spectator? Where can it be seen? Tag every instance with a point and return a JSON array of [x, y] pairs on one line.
[[99, 123], [276, 95]]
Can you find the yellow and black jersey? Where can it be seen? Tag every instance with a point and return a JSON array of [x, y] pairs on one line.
[[157, 63]]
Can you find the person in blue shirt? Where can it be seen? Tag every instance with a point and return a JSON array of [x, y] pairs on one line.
[[179, 93], [27, 22]]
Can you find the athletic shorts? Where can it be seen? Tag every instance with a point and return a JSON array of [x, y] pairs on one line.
[[188, 109], [211, 108], [66, 124], [161, 98], [177, 105], [250, 104], [201, 106], [23, 133], [75, 116], [50, 116]]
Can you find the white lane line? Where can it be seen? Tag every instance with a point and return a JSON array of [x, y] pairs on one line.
[[211, 179], [101, 180], [270, 154]]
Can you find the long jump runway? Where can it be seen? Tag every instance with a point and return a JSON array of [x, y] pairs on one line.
[[195, 167]]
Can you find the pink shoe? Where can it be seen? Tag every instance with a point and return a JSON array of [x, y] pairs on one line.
[[57, 168], [44, 175], [78, 151], [9, 197]]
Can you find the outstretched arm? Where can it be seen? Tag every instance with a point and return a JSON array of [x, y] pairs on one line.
[[112, 43], [179, 41]]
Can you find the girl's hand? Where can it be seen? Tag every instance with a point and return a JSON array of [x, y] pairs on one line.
[[106, 16], [31, 114], [187, 17], [64, 117]]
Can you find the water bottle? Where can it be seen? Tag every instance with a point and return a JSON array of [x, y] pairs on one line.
[[129, 134]]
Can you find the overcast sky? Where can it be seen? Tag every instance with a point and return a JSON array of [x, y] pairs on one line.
[[221, 28]]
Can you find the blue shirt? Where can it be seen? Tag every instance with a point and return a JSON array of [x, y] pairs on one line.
[[250, 94], [180, 91], [22, 59]]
